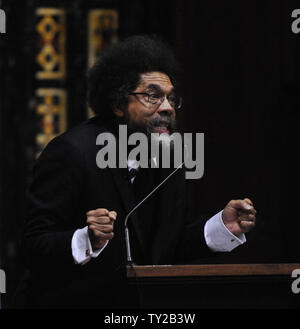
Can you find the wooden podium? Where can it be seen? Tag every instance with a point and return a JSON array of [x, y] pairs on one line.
[[255, 286]]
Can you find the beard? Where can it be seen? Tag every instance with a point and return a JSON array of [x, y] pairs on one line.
[[163, 124], [158, 130]]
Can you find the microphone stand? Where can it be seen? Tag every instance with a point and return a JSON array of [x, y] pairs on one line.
[[127, 239]]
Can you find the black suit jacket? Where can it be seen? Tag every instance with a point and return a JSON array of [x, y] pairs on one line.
[[66, 184]]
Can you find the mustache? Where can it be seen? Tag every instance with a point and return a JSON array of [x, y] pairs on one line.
[[168, 122]]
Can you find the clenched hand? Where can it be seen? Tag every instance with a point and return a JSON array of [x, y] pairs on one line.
[[100, 226], [239, 216]]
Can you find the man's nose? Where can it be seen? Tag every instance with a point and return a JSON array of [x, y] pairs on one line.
[[165, 106]]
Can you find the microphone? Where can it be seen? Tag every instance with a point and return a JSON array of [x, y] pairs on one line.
[[127, 239]]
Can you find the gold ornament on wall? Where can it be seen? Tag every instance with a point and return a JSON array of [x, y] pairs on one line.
[[102, 32], [51, 108], [51, 112], [51, 43]]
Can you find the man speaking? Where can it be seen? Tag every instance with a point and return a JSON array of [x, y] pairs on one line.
[[74, 236]]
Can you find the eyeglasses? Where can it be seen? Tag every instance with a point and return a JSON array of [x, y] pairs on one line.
[[156, 99]]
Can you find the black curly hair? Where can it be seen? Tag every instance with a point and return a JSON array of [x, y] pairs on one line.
[[117, 71]]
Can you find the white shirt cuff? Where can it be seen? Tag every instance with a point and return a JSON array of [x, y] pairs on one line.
[[217, 236], [82, 250]]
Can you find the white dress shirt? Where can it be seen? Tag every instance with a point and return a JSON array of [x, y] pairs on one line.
[[217, 237]]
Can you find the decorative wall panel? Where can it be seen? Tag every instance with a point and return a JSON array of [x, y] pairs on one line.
[[103, 26], [51, 106], [102, 32], [51, 112], [51, 44]]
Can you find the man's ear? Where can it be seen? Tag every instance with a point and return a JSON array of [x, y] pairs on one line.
[[119, 113]]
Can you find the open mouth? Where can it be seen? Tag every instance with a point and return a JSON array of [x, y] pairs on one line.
[[161, 130]]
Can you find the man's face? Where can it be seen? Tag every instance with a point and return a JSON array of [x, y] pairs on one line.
[[144, 116]]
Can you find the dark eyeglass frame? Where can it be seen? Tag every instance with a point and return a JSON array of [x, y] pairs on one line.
[[158, 100]]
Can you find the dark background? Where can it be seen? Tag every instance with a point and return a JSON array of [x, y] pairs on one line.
[[241, 73]]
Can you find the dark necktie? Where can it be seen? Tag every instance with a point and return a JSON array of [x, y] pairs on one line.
[[132, 173]]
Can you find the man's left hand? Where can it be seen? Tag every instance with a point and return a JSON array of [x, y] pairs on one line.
[[239, 216]]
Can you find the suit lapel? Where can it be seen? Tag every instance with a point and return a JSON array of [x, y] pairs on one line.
[[127, 197], [120, 177], [169, 221]]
